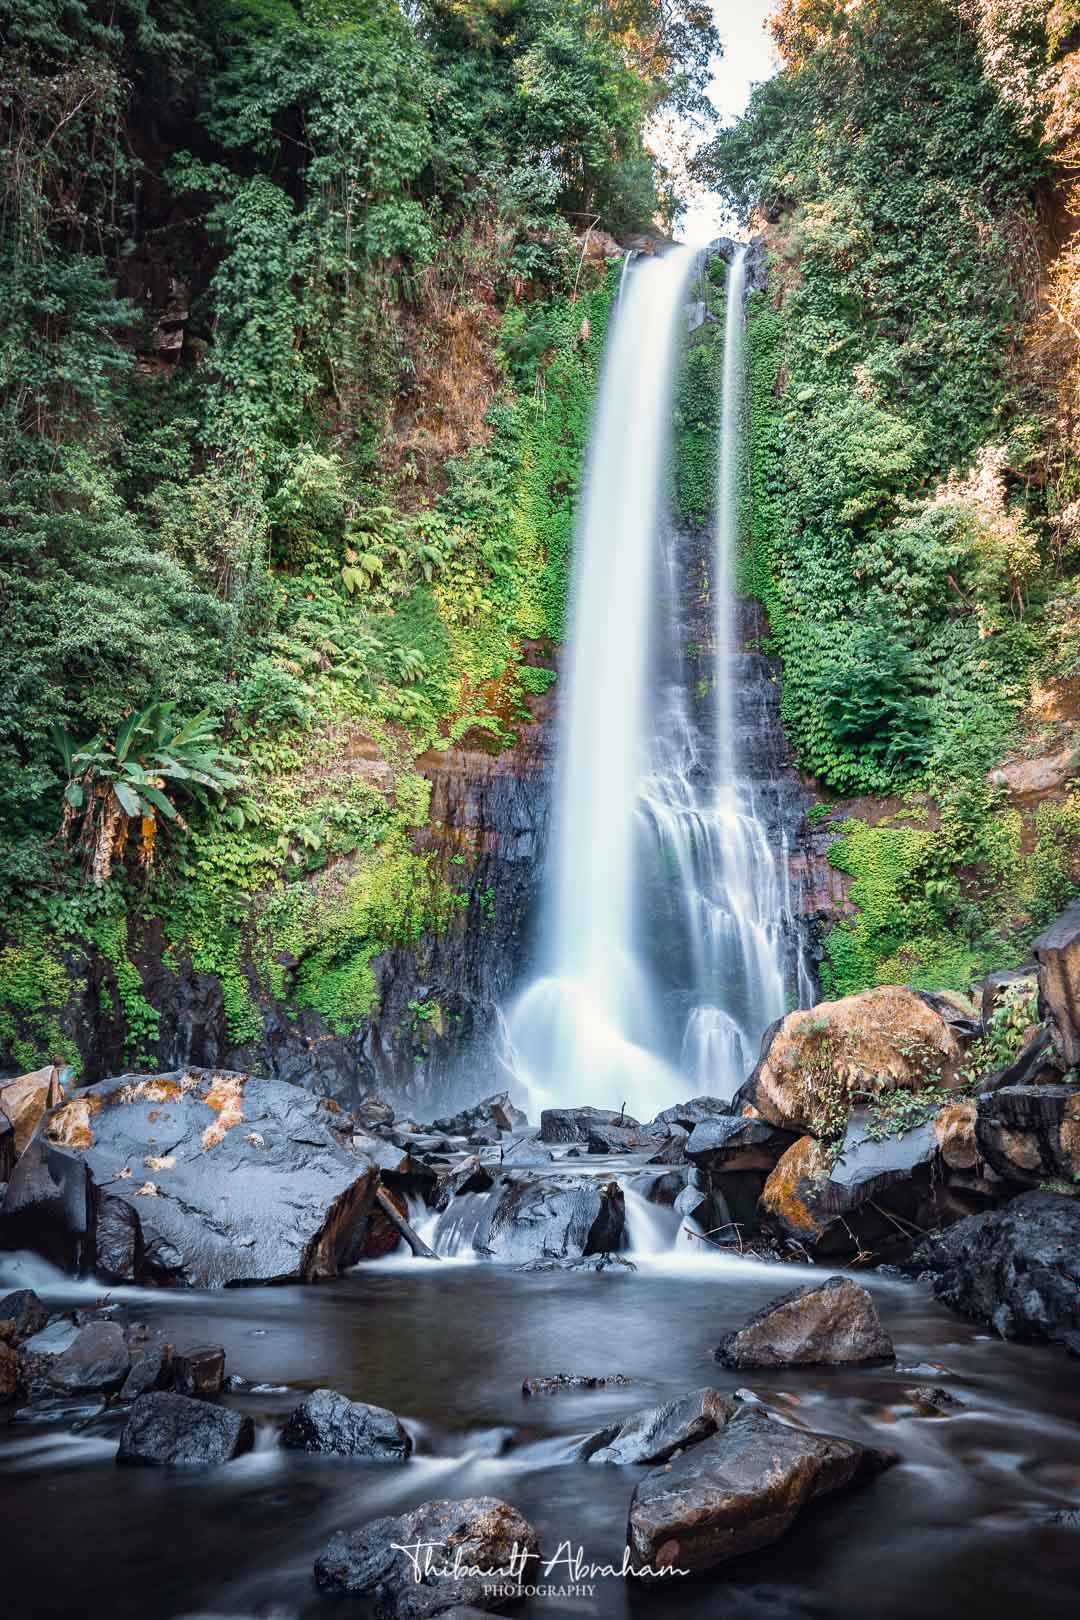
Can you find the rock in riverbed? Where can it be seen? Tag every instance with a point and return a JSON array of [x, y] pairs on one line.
[[657, 1432], [833, 1323], [98, 1359], [24, 1309], [479, 1534], [330, 1423], [199, 1371], [542, 1217], [197, 1178], [576, 1124], [166, 1430], [737, 1491], [558, 1383], [1017, 1268]]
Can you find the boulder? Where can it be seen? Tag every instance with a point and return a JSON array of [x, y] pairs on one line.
[[830, 1324], [576, 1124], [25, 1101], [385, 1154], [1037, 1063], [736, 1492], [818, 1187], [544, 1217], [373, 1113], [656, 1433], [150, 1369], [198, 1178], [98, 1359], [1017, 1268], [471, 1176], [737, 1142], [697, 1111], [470, 1553], [330, 1423], [496, 1111], [199, 1371], [814, 1063], [1031, 1134], [1057, 951], [26, 1311], [558, 1383], [935, 1402], [164, 1430]]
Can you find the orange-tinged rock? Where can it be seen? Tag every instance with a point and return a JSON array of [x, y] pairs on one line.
[[954, 1128], [26, 1100], [821, 1062]]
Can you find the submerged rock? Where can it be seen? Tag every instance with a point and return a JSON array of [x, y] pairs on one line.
[[936, 1402], [591, 1262], [165, 1430], [550, 1217], [831, 1323], [657, 1432], [480, 1534], [330, 1423], [558, 1383], [198, 1178], [1017, 1268], [737, 1491], [98, 1359]]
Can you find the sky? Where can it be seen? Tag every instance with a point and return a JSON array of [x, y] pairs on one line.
[[749, 56]]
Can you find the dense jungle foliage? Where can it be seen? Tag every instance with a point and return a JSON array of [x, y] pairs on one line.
[[301, 315], [914, 469]]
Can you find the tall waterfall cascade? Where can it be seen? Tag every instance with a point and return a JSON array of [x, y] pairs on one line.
[[663, 954]]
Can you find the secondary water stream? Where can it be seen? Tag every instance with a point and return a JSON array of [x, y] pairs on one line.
[[964, 1524]]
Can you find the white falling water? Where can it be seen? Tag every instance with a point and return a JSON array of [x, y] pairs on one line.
[[587, 1030], [640, 780]]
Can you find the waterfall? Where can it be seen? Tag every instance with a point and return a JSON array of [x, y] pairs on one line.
[[586, 1030], [663, 942]]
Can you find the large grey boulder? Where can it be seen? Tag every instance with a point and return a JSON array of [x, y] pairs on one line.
[[737, 1491], [174, 1431], [330, 1423], [1017, 1268], [831, 1324], [657, 1432], [576, 1124], [198, 1178], [550, 1217], [479, 1549]]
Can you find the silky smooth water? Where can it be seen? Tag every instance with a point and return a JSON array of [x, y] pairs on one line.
[[586, 1029], [653, 795], [964, 1524]]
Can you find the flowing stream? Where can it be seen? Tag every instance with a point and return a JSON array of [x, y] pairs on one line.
[[664, 952]]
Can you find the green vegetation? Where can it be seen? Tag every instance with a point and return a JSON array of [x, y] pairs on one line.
[[905, 531], [301, 329]]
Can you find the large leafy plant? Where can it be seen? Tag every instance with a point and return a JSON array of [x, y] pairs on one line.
[[137, 778]]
